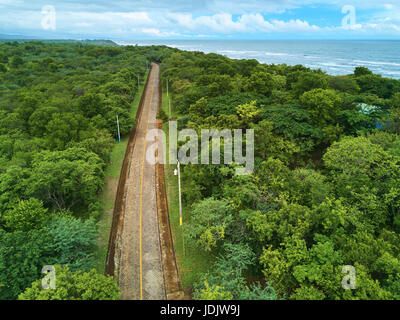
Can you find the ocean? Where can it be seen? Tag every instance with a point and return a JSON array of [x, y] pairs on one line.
[[332, 56]]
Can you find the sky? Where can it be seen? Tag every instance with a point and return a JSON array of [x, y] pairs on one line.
[[201, 19]]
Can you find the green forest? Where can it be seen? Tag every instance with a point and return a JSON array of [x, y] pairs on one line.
[[324, 194], [58, 108]]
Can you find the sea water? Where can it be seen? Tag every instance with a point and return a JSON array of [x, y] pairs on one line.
[[336, 57]]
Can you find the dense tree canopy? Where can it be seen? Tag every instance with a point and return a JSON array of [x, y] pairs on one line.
[[77, 285], [58, 108], [324, 194], [325, 190]]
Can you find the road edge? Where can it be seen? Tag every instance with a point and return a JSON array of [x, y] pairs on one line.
[[114, 243], [172, 283]]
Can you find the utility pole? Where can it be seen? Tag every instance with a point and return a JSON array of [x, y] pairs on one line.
[[167, 87], [180, 193], [169, 101], [119, 134], [178, 172]]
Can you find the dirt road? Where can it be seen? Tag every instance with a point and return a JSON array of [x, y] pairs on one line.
[[140, 268]]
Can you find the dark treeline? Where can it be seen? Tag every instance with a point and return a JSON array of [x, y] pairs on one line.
[[325, 192]]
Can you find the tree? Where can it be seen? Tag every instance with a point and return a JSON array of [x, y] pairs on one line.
[[264, 83], [227, 104], [214, 293], [365, 174], [227, 280], [26, 107], [295, 124], [396, 100], [276, 226], [307, 292], [91, 104], [344, 84], [67, 179], [230, 121], [362, 71], [395, 113], [22, 256], [64, 128], [74, 241], [78, 285], [201, 181], [210, 220], [241, 191], [324, 106], [27, 215], [12, 186], [119, 87], [388, 141], [310, 207], [100, 143], [377, 85], [308, 81], [273, 178], [3, 58], [16, 62], [355, 121], [198, 111], [125, 121], [246, 66], [322, 269], [359, 161], [309, 187], [215, 84], [247, 113], [258, 292], [6, 147], [39, 119], [269, 144]]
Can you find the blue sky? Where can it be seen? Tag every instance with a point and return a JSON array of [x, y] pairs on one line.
[[202, 19]]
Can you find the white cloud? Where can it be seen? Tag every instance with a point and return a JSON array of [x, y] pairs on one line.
[[246, 23], [258, 23], [294, 26], [254, 6], [136, 17], [157, 33], [83, 24]]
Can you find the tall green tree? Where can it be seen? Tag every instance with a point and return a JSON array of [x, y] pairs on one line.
[[27, 215], [22, 257], [66, 180], [77, 285], [210, 221]]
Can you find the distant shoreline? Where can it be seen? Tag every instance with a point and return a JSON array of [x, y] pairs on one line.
[[335, 57]]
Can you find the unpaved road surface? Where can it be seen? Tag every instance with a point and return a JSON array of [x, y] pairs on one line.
[[141, 268]]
